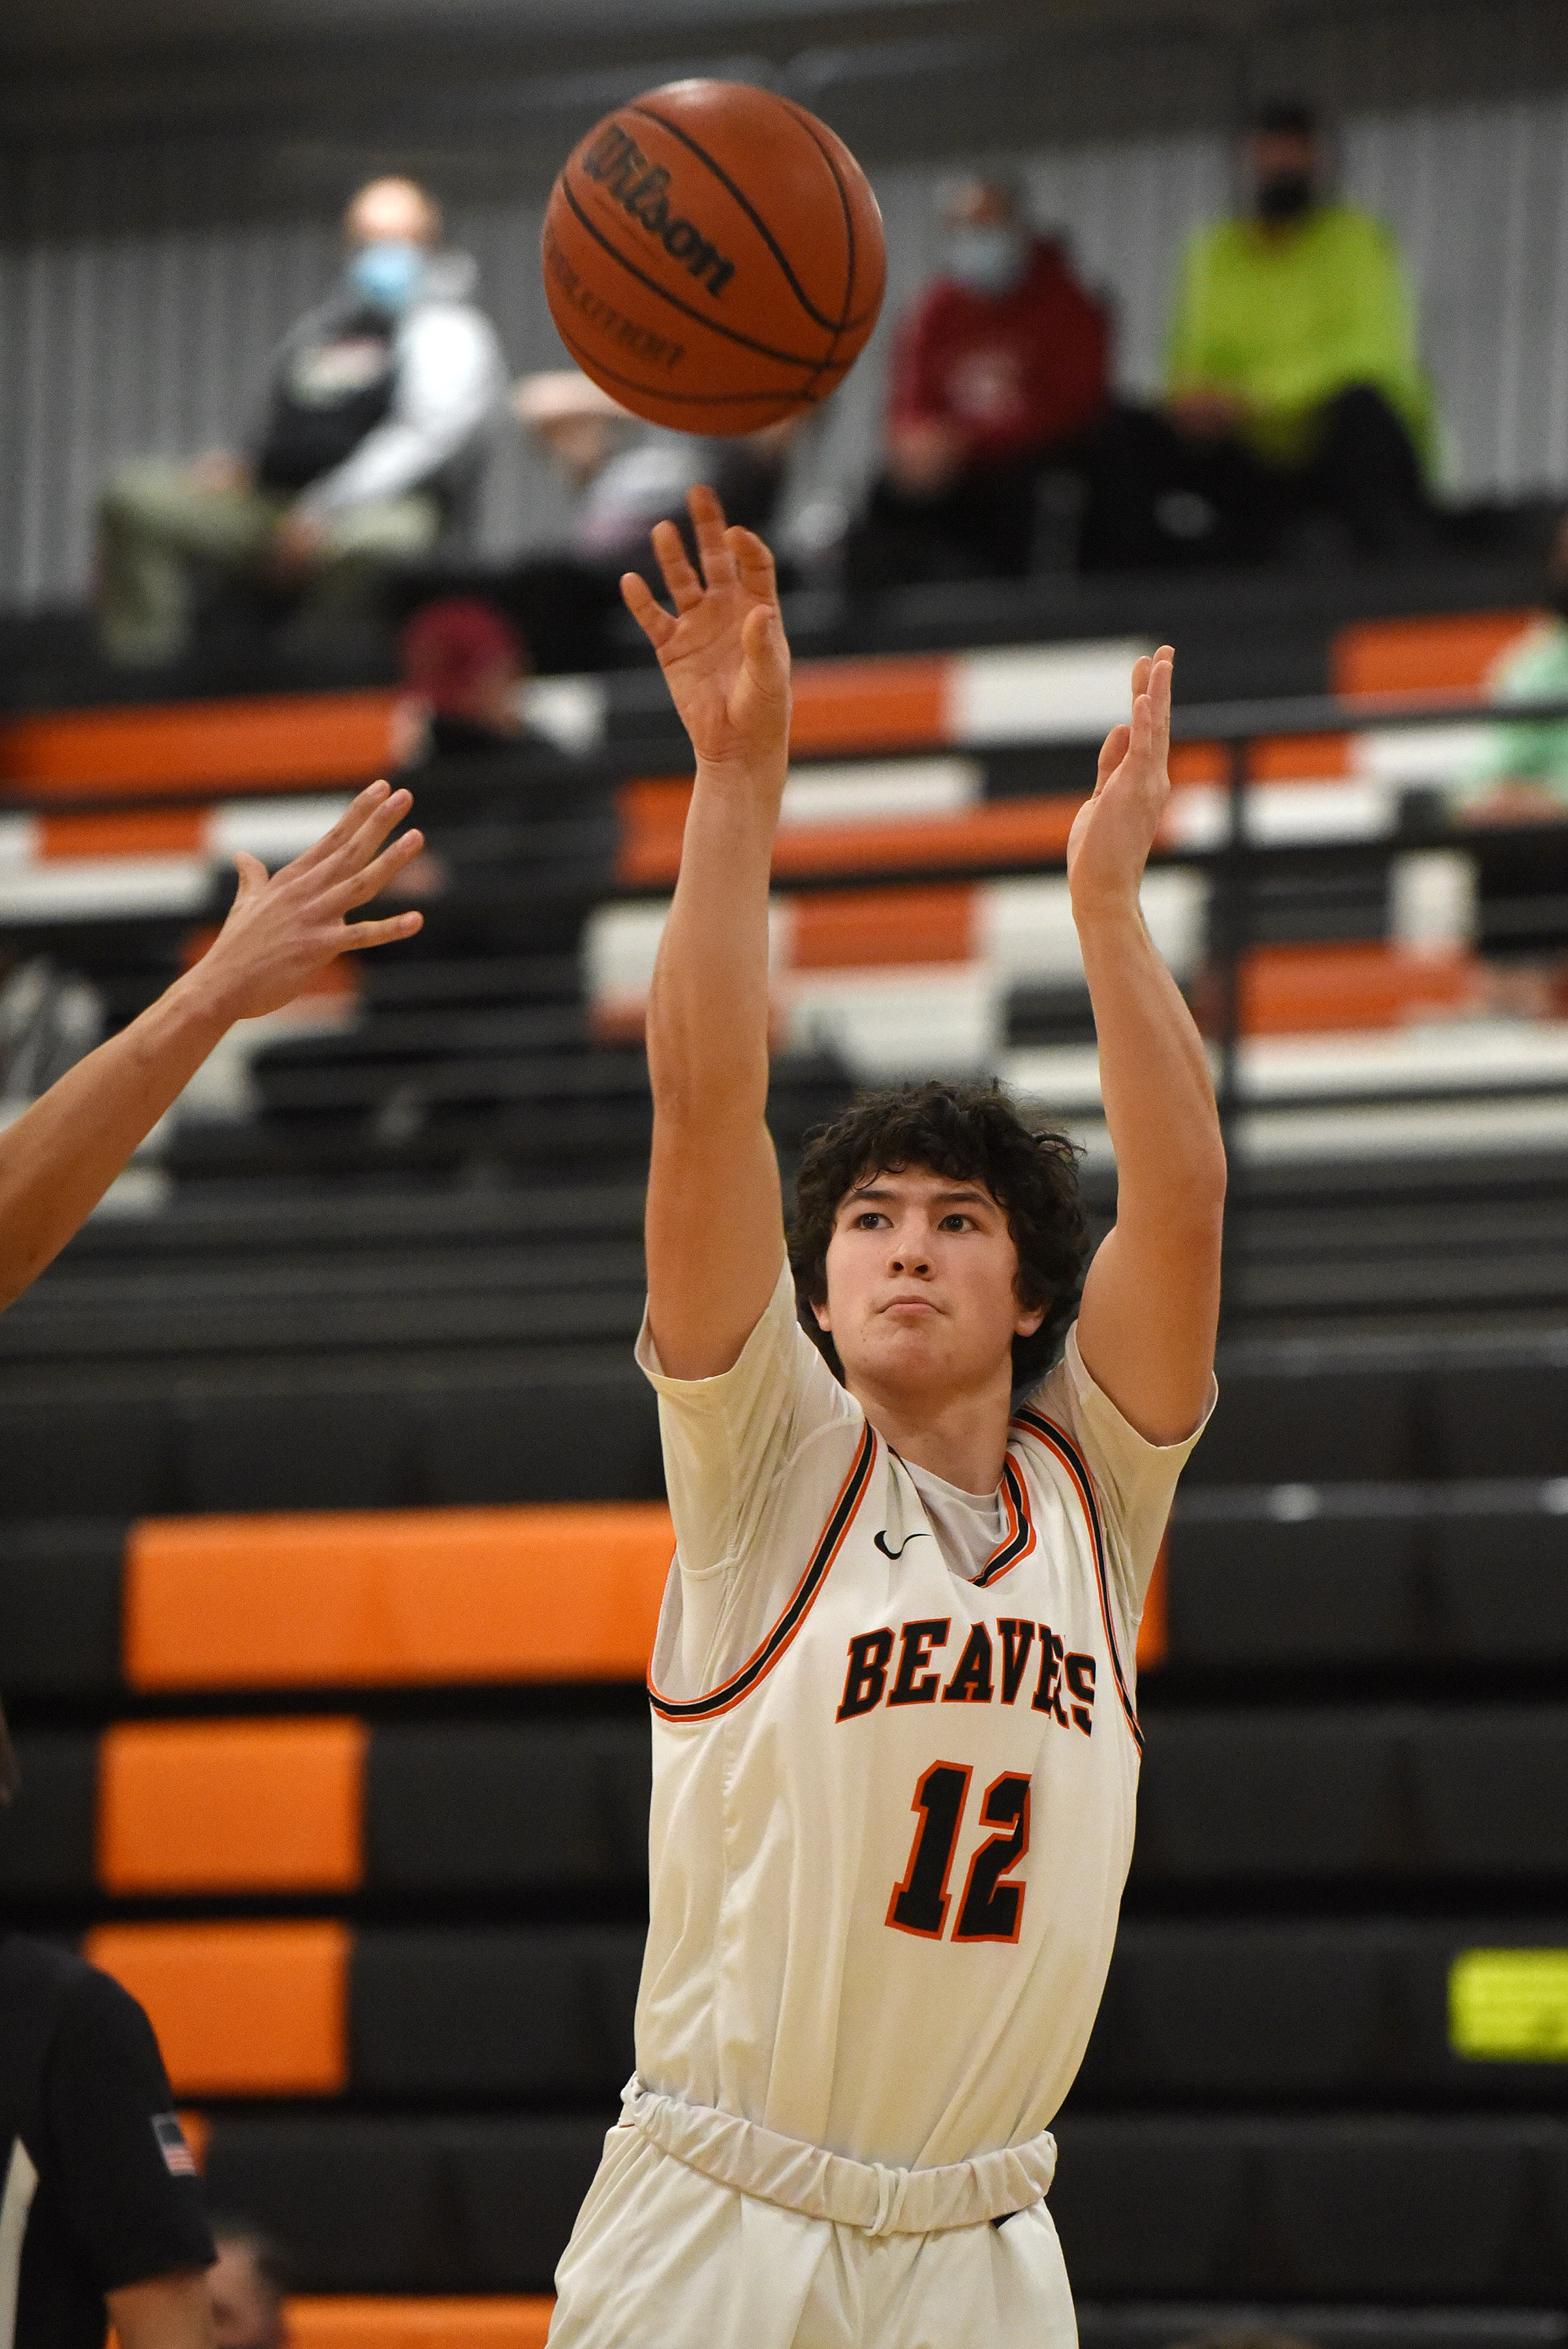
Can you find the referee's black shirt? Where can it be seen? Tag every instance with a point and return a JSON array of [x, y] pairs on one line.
[[97, 2187]]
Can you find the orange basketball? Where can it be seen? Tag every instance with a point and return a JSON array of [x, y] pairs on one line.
[[714, 257]]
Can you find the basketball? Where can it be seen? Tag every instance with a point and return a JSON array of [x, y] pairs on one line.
[[714, 257]]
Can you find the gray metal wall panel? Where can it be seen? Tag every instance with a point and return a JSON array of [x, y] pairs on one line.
[[118, 346]]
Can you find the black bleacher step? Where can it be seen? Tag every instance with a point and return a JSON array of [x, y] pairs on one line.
[[1039, 1013], [392, 1037], [1304, 2011], [437, 1429], [59, 1607], [542, 2013], [46, 1832], [469, 1807], [1156, 2324], [1418, 2211], [1473, 1793], [315, 1320], [413, 980], [287, 1083], [1501, 1275], [227, 1220], [1303, 1576]]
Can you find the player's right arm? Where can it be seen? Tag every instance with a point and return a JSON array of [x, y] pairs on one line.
[[715, 1219]]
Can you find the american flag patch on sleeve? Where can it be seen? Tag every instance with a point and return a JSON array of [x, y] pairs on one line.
[[178, 2158]]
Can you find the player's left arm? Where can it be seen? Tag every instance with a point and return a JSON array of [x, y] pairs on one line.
[[1151, 1299], [60, 1156]]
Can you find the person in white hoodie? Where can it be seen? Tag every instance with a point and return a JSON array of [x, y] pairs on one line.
[[376, 429]]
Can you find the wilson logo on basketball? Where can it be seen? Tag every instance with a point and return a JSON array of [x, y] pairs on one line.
[[641, 189]]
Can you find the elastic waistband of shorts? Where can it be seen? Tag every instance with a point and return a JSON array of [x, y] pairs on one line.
[[878, 2199]]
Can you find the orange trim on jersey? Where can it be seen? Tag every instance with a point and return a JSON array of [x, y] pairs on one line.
[[1056, 1440], [763, 1659]]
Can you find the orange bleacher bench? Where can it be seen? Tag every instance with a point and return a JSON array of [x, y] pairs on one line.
[[359, 1598], [372, 2323], [240, 2010], [284, 741], [1450, 652]]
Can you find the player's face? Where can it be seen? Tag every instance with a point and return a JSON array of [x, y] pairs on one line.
[[921, 1294]]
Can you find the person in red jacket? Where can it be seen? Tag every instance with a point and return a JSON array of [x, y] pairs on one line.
[[1001, 374]]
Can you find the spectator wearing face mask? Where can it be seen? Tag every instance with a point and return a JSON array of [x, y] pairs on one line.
[[375, 436], [1293, 383], [999, 374]]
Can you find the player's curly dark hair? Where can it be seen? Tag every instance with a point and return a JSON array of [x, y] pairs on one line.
[[973, 1133]]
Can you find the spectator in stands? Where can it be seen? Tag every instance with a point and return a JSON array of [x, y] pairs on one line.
[[625, 477], [375, 437], [247, 2287], [1517, 783], [1293, 385], [100, 2211], [59, 1157], [464, 669], [1000, 377]]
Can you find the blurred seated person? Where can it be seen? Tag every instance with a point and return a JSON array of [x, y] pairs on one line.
[[625, 476], [1515, 787], [245, 2287], [999, 374], [464, 669], [1293, 384], [375, 437]]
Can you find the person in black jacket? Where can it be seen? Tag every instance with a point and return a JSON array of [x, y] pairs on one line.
[[101, 2209]]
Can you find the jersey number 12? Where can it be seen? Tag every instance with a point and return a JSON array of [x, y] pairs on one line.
[[990, 1910]]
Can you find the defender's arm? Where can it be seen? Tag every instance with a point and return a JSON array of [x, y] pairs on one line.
[[1151, 1299], [715, 1220], [60, 1156]]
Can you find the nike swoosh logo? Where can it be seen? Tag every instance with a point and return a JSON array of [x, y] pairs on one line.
[[881, 1541]]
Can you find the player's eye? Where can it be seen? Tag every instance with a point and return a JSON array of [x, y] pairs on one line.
[[957, 1222], [869, 1219]]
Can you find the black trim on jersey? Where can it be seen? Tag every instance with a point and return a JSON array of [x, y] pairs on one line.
[[1056, 1438], [761, 1664], [1021, 1537]]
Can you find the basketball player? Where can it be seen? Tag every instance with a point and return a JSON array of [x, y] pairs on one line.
[[896, 1745], [59, 1157]]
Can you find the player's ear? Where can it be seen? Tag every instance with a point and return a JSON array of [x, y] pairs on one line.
[[823, 1320], [1028, 1319]]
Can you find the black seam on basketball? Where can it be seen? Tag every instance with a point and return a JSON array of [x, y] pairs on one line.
[[730, 333], [809, 127], [797, 288], [792, 394]]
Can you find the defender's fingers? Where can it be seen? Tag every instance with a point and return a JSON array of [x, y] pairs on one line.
[[360, 935], [766, 651], [337, 835], [685, 587], [707, 520], [1141, 668], [646, 609], [363, 887], [251, 870], [362, 845], [753, 562]]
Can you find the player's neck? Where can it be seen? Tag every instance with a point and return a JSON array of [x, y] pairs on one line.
[[960, 1437]]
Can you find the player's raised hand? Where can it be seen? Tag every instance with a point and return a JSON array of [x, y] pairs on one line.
[[1112, 832], [722, 650], [285, 926]]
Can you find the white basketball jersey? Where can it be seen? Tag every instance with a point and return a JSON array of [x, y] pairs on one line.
[[888, 1845]]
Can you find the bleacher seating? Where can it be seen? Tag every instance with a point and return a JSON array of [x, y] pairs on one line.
[[332, 1535]]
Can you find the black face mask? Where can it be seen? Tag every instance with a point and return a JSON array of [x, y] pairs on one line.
[[1285, 196]]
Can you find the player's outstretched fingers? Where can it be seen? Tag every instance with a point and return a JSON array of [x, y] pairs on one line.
[[1113, 750], [685, 587], [753, 562], [707, 520], [646, 608]]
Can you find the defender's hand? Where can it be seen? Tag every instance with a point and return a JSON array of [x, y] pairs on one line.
[[1112, 832], [723, 652], [285, 926]]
